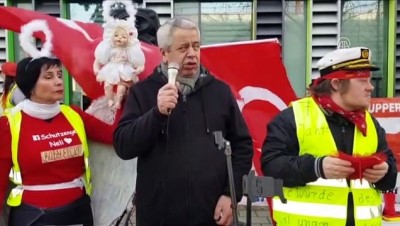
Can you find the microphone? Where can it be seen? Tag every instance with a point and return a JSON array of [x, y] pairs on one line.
[[173, 69]]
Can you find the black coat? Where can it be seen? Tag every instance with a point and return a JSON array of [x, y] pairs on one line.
[[280, 152], [181, 173]]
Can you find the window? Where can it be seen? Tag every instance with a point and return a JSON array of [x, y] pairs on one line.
[[18, 51], [294, 44], [219, 22], [86, 12], [362, 24]]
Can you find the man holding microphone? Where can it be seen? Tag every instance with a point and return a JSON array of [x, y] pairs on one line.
[[182, 176]]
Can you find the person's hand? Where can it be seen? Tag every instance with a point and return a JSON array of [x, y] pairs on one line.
[[127, 84], [139, 69], [223, 211], [167, 98], [376, 173], [335, 168], [135, 79], [99, 79]]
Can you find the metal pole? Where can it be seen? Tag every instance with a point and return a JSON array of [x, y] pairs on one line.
[[228, 153], [248, 211]]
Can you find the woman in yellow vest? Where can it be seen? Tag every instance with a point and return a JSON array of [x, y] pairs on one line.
[[45, 144], [11, 95], [8, 71], [317, 144]]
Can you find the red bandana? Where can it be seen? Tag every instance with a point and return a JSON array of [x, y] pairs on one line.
[[356, 117], [366, 73]]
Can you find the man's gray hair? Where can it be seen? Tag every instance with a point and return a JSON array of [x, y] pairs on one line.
[[164, 33]]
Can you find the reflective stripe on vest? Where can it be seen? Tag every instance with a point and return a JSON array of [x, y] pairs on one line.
[[327, 210], [324, 202], [10, 105], [14, 120]]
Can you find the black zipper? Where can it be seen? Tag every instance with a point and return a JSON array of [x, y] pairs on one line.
[[344, 139], [188, 203], [344, 149]]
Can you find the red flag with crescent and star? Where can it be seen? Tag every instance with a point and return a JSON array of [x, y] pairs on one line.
[[254, 69]]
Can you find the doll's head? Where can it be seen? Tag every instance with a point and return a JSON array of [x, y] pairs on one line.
[[121, 37], [120, 33]]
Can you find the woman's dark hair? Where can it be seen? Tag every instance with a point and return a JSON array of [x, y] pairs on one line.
[[28, 72]]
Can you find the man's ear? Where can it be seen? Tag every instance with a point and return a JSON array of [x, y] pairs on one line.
[[164, 55], [335, 83]]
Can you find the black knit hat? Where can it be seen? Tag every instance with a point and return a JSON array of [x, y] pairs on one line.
[[28, 72]]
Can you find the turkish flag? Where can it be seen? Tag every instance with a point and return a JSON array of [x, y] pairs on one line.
[[257, 76], [254, 70]]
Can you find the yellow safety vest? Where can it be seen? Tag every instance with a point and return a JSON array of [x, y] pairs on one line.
[[9, 96], [15, 197], [324, 202], [9, 102]]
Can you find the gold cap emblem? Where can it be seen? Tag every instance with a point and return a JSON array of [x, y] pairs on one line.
[[364, 54]]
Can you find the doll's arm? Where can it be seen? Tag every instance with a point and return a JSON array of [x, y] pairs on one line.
[[102, 52], [136, 56], [96, 67]]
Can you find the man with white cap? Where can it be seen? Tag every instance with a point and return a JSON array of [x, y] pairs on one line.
[[306, 143]]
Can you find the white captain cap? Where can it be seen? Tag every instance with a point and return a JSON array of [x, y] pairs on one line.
[[350, 59]]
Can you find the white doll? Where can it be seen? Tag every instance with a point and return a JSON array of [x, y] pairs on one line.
[[118, 59]]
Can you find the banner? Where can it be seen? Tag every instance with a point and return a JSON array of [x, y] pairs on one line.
[[387, 112]]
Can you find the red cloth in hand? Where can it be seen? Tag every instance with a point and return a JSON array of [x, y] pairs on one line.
[[361, 163]]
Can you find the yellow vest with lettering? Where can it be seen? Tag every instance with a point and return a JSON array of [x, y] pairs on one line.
[[15, 197], [324, 202]]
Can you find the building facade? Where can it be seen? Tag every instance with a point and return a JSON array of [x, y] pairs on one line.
[[307, 30]]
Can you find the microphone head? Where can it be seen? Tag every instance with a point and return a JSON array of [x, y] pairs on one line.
[[173, 65], [173, 69]]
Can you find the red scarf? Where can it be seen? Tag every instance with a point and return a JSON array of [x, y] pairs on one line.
[[356, 117]]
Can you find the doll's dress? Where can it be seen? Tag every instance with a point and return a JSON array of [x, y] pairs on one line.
[[118, 68]]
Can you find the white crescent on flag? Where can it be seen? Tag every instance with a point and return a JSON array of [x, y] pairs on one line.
[[251, 93]]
